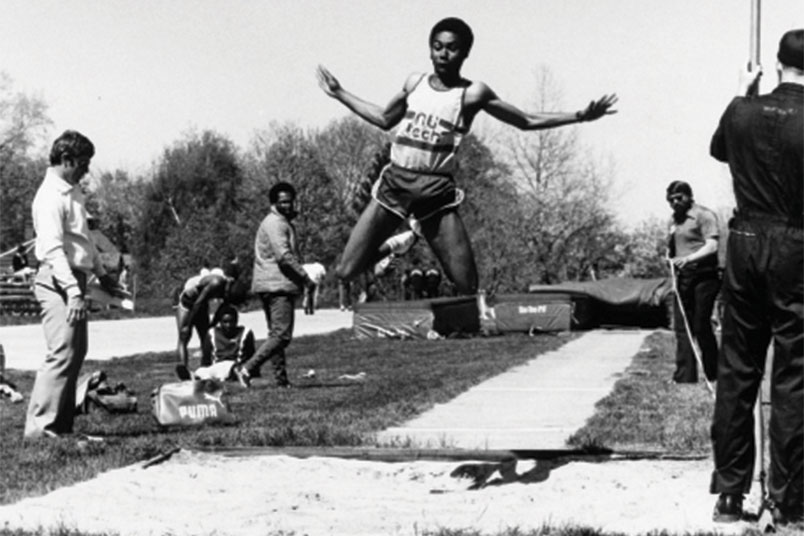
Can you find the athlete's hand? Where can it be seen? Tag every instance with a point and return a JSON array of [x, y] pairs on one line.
[[598, 108], [680, 262], [327, 82]]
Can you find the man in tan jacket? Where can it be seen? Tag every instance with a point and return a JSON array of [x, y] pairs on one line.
[[278, 279]]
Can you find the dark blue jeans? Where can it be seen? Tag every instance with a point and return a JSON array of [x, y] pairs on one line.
[[763, 294], [279, 314]]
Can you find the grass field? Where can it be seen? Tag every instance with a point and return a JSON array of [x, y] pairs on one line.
[[647, 411], [644, 411]]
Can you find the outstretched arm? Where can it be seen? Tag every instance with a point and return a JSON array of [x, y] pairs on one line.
[[485, 99], [385, 118]]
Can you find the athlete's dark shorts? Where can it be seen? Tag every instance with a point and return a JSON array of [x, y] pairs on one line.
[[409, 193], [186, 301]]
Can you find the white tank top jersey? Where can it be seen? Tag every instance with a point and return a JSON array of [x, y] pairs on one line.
[[431, 131]]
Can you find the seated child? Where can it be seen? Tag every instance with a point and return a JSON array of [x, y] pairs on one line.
[[225, 345]]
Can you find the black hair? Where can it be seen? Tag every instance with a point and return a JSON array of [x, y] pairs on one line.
[[459, 28], [679, 187], [791, 49], [278, 188], [71, 145], [224, 308], [227, 309]]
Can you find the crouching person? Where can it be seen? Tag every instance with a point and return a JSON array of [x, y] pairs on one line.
[[193, 308]]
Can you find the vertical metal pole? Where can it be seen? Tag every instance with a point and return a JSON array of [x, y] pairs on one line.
[[754, 53], [765, 518], [755, 32]]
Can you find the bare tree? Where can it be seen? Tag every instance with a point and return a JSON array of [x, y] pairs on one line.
[[23, 124], [288, 153], [563, 195], [187, 211], [23, 118], [347, 147], [642, 251], [117, 199]]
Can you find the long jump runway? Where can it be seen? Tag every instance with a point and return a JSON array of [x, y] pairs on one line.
[[537, 405]]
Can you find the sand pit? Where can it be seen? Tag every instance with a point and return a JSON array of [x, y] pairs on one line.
[[195, 493]]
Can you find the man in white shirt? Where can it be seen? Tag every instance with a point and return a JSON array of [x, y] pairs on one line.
[[67, 257]]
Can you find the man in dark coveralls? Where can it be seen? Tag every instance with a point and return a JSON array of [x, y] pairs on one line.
[[762, 140]]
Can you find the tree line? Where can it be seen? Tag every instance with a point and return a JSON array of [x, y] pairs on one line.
[[537, 205]]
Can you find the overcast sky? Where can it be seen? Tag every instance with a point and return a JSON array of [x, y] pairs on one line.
[[134, 75]]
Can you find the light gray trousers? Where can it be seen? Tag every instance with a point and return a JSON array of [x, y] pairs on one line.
[[52, 404]]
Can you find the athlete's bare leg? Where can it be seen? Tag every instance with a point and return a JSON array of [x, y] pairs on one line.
[[449, 240], [373, 227], [181, 347]]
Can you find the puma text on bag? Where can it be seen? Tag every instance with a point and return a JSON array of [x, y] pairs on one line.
[[189, 402]]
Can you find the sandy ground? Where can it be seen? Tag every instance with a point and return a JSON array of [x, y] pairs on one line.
[[209, 494]]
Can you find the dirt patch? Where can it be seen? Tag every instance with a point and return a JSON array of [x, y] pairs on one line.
[[204, 494]]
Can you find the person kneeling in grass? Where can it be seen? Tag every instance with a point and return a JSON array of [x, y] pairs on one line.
[[225, 345]]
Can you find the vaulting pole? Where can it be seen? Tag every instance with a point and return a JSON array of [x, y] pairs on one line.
[[765, 520], [754, 42], [755, 32]]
